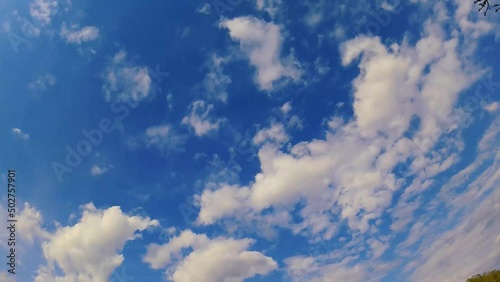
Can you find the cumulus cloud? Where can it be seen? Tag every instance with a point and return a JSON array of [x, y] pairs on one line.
[[90, 250], [30, 224], [349, 175], [43, 10], [230, 198], [262, 43], [126, 81], [21, 134], [6, 277], [209, 260], [76, 35], [199, 118], [275, 133]]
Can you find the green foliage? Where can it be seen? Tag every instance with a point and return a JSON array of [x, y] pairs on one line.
[[492, 276]]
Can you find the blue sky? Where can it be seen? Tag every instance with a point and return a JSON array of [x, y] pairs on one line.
[[257, 140]]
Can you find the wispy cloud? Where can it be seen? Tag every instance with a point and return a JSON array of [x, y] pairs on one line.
[[21, 134], [126, 81], [43, 10], [199, 118], [164, 138], [42, 83]]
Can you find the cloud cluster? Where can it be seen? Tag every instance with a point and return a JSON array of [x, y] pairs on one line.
[[405, 116], [209, 260], [90, 250], [126, 81], [76, 35], [199, 118], [43, 10]]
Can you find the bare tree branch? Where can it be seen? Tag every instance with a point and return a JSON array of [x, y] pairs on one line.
[[485, 4]]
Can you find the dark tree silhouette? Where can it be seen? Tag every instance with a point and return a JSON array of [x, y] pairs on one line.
[[485, 4]]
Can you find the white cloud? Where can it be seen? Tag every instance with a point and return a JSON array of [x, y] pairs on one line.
[[199, 118], [97, 170], [216, 81], [18, 132], [217, 260], [163, 138], [262, 43], [125, 81], [76, 35], [309, 269], [7, 277], [286, 108], [43, 10], [29, 224], [42, 83], [275, 133], [473, 28], [229, 199], [316, 13], [492, 107], [269, 6], [349, 174], [205, 9], [468, 248], [90, 250]]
